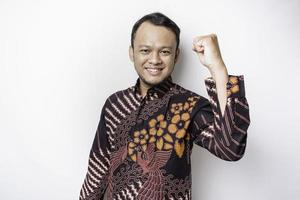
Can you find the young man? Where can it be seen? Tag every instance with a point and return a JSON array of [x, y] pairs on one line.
[[146, 132]]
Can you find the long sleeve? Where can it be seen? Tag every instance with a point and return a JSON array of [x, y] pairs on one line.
[[224, 136], [96, 180]]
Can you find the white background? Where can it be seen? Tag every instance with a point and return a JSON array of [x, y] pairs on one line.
[[60, 60]]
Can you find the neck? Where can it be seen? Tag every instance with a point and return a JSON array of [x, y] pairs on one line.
[[144, 88]]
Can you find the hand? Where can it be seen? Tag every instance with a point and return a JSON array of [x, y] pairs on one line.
[[208, 50]]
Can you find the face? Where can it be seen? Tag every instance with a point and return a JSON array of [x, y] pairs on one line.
[[154, 54]]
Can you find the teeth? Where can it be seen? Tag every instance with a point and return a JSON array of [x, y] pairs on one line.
[[154, 69]]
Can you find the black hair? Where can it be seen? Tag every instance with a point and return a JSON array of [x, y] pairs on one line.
[[157, 19]]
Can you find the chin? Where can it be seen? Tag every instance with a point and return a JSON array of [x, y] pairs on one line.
[[154, 80]]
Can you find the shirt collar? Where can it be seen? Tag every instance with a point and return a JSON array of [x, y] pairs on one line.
[[156, 91]]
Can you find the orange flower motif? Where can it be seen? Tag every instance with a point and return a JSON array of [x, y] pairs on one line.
[[165, 142], [190, 103], [235, 87], [179, 148], [158, 135], [176, 108], [140, 140], [157, 125], [180, 145], [178, 126], [233, 80]]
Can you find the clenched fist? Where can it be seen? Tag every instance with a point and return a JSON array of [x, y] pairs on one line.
[[208, 50]]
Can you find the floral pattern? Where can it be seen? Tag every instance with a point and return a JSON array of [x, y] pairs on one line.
[[139, 141], [166, 135], [233, 86], [178, 127], [142, 147], [158, 133], [176, 108]]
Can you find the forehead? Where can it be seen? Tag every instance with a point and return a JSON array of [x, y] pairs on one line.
[[152, 35]]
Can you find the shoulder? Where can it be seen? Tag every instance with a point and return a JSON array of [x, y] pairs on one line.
[[195, 101], [184, 93], [118, 96]]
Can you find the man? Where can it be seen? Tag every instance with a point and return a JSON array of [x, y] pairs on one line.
[[146, 132]]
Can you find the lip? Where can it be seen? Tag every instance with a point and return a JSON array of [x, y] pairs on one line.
[[154, 71]]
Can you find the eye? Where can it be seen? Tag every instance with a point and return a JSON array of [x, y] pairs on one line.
[[165, 52], [144, 50]]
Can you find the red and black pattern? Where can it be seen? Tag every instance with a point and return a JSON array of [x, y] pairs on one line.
[[142, 146]]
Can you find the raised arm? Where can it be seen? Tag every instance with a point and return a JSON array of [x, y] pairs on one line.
[[224, 136], [220, 124]]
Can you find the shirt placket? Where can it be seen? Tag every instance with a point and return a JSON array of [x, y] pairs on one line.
[[139, 122]]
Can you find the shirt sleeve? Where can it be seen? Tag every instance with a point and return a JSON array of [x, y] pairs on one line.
[[96, 180], [224, 136]]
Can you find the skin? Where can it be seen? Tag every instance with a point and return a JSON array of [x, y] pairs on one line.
[[208, 50], [155, 47]]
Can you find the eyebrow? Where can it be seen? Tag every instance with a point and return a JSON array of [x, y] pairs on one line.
[[150, 46]]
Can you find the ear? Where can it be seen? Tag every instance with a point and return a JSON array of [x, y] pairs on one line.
[[177, 55], [131, 53]]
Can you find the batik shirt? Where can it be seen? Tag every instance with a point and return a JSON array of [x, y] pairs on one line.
[[142, 147]]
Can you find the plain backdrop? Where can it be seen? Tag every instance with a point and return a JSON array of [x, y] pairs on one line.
[[60, 60]]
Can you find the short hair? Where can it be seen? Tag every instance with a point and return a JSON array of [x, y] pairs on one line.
[[157, 19]]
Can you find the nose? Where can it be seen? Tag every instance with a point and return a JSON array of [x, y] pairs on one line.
[[154, 58]]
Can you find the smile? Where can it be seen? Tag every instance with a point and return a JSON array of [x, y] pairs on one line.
[[154, 71]]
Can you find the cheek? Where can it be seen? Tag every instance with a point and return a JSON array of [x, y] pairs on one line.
[[169, 60], [140, 59]]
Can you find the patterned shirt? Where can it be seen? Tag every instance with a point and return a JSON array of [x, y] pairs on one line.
[[143, 145]]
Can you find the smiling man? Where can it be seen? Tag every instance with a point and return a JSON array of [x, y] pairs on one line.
[[144, 139]]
